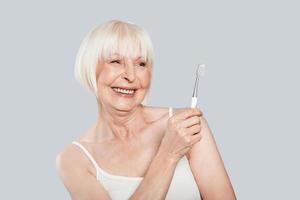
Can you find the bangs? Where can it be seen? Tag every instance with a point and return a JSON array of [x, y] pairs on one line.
[[125, 42]]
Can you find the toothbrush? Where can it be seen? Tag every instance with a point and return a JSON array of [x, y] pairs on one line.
[[199, 72]]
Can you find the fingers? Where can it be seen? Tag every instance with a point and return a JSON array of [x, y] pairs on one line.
[[195, 138], [195, 129], [190, 122], [186, 113]]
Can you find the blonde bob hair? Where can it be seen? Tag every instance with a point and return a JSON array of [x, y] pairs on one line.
[[115, 36]]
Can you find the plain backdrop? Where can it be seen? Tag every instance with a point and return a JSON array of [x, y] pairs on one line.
[[249, 94]]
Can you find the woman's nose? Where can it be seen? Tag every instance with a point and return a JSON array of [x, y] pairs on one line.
[[129, 73]]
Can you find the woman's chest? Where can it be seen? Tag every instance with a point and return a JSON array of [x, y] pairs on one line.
[[125, 159]]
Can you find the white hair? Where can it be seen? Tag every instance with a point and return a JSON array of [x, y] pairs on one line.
[[114, 36]]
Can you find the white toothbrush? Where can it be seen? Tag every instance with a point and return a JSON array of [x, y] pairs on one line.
[[199, 72]]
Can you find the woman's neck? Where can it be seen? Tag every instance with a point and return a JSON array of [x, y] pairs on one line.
[[119, 125]]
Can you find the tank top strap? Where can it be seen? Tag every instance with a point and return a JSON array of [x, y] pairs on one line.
[[88, 155], [170, 111]]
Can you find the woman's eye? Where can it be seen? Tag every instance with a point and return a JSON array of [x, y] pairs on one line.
[[115, 61], [142, 64]]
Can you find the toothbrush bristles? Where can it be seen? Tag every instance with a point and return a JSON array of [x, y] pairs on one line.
[[200, 70]]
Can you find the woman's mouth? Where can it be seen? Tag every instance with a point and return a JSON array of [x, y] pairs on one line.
[[124, 92]]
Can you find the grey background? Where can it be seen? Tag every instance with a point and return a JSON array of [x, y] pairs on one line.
[[250, 92]]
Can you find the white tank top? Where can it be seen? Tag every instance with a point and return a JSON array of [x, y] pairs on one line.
[[183, 185]]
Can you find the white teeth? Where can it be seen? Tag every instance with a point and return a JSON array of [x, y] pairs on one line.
[[123, 91]]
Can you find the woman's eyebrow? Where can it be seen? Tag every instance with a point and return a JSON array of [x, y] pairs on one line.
[[116, 55], [138, 58]]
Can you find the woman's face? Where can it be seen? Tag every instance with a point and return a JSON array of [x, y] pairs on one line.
[[118, 73]]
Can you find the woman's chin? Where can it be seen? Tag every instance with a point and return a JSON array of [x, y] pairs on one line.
[[124, 106]]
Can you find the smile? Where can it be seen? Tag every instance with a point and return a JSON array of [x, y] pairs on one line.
[[127, 92]]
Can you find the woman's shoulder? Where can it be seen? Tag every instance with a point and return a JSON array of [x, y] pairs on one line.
[[71, 157], [156, 112], [71, 153]]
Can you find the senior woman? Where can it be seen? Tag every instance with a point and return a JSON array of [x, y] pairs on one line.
[[135, 151]]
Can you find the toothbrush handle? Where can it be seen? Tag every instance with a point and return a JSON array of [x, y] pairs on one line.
[[194, 102]]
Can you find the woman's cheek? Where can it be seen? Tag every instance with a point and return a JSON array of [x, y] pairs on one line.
[[108, 76], [147, 79]]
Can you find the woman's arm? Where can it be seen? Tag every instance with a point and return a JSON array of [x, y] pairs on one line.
[[157, 180], [208, 168], [82, 184], [176, 142], [72, 168]]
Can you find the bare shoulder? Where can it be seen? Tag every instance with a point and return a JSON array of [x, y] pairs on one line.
[[71, 157], [72, 160], [68, 164], [155, 113], [73, 169]]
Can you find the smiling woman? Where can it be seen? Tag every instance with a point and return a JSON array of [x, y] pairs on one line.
[[135, 151], [123, 77], [111, 42]]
